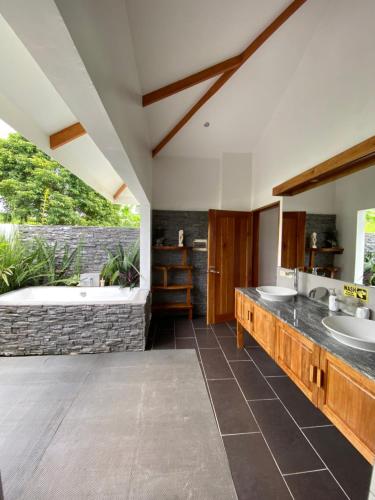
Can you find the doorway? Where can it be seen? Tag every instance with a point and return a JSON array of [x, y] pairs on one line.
[[229, 261]]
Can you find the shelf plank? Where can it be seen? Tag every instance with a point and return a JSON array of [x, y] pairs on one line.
[[171, 306], [186, 286], [169, 267], [170, 248]]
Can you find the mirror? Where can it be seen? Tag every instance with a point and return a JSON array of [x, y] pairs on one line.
[[330, 230]]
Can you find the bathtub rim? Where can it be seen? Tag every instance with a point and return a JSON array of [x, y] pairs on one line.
[[142, 295]]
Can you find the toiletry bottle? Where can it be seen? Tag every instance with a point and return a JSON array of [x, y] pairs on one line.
[[332, 301], [102, 282]]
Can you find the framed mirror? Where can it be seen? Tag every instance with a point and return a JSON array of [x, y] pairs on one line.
[[330, 230]]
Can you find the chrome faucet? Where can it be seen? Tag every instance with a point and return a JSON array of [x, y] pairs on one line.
[[296, 277]]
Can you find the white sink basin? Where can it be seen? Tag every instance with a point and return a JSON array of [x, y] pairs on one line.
[[354, 332], [276, 293]]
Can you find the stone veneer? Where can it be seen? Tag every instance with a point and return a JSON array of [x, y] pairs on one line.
[[195, 226], [73, 329], [95, 241]]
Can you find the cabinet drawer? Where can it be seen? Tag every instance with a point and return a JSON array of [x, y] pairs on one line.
[[299, 358], [264, 329]]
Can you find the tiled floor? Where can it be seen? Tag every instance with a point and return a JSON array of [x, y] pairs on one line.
[[278, 444]]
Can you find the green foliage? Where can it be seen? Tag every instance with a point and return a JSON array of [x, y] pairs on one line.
[[122, 267], [57, 266], [36, 263], [369, 269], [36, 189], [370, 221]]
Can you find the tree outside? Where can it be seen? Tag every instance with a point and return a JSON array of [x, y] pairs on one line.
[[35, 189]]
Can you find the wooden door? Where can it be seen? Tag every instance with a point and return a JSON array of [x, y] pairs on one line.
[[347, 398], [229, 261], [264, 330], [299, 358], [293, 240]]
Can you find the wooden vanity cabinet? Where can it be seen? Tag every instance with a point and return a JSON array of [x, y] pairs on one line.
[[347, 398], [264, 329], [299, 358], [344, 395]]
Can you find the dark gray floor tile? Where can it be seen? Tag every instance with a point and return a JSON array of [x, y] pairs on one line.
[[265, 363], [351, 470], [186, 343], [206, 338], [215, 364], [291, 450], [314, 485], [200, 322], [250, 341], [223, 330], [231, 352], [251, 381], [184, 328], [232, 411], [303, 411], [164, 340], [232, 324], [254, 472]]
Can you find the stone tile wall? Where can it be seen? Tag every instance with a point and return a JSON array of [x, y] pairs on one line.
[[195, 226], [78, 329], [95, 241]]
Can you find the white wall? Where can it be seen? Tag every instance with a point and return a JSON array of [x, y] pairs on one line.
[[181, 183], [235, 181], [329, 104], [102, 37], [186, 183]]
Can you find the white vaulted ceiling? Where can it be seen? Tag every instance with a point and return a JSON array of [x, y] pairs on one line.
[[175, 38]]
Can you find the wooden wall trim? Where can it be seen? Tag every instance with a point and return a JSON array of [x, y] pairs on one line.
[[356, 158]]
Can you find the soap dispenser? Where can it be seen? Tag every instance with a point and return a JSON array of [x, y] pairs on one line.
[[333, 304]]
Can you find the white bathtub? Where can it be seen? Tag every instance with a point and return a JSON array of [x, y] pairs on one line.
[[67, 295]]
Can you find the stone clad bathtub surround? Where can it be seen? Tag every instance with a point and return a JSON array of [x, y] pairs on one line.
[[69, 320]]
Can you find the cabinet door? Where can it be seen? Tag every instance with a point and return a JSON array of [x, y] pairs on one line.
[[299, 358], [247, 313], [347, 398], [264, 329]]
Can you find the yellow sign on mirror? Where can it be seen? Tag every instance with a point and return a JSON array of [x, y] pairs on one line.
[[356, 291]]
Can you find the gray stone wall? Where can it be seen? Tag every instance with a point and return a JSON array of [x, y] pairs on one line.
[[370, 242], [195, 226], [78, 329], [95, 241]]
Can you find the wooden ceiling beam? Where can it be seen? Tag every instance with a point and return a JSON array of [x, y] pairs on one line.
[[66, 135], [351, 160], [244, 56], [120, 190], [191, 80]]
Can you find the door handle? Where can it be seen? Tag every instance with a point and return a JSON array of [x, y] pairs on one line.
[[320, 378], [313, 373], [213, 270]]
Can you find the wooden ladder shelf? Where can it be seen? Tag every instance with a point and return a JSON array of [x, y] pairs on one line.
[[170, 287]]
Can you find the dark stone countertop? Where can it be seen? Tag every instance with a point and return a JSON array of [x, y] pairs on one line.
[[305, 316]]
